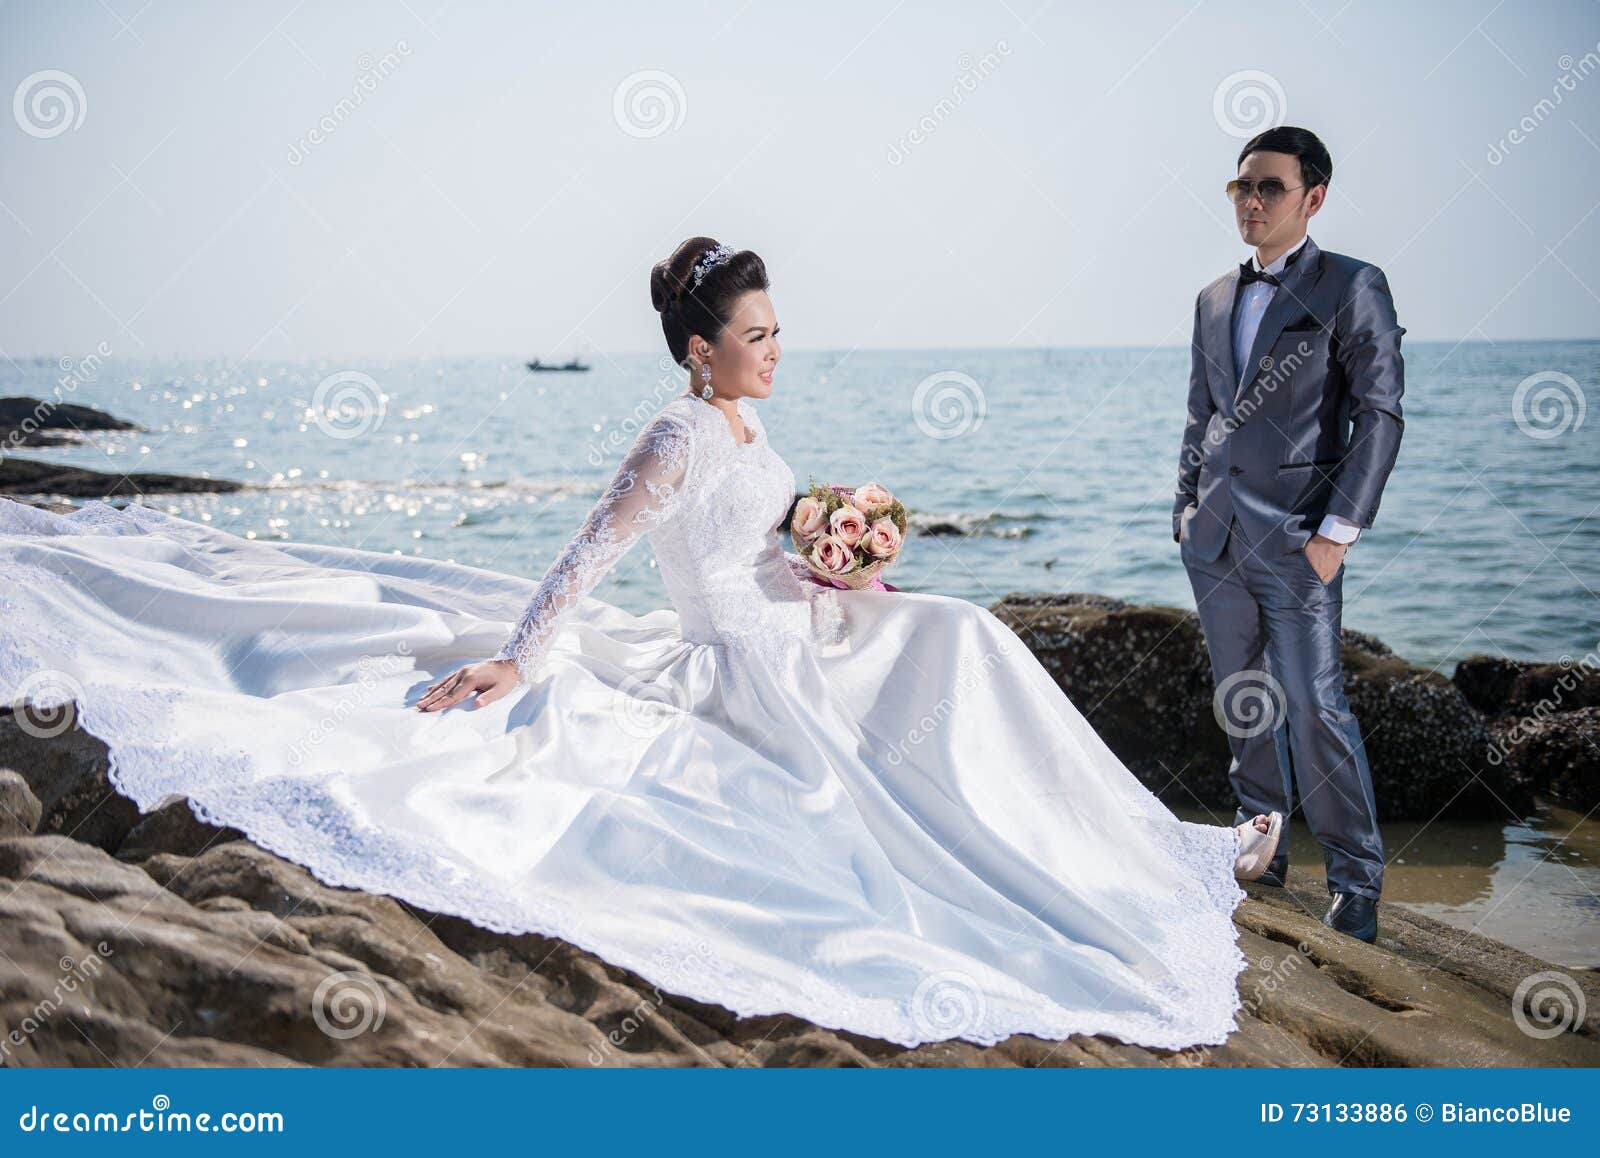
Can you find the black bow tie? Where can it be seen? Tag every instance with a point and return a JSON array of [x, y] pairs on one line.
[[1248, 272]]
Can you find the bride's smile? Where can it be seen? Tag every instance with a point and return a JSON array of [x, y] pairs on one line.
[[741, 362]]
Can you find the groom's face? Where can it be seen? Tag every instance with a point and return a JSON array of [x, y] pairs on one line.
[[1262, 224]]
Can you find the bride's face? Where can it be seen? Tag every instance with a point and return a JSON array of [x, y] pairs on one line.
[[744, 358]]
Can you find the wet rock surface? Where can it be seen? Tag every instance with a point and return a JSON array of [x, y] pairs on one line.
[[1141, 676], [160, 940]]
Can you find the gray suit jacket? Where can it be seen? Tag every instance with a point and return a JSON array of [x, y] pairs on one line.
[[1311, 428]]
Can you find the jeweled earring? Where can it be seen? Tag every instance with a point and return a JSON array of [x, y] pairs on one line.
[[705, 380]]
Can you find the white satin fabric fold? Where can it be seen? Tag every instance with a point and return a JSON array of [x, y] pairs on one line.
[[913, 835]]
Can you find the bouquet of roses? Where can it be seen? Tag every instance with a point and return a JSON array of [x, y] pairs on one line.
[[847, 535]]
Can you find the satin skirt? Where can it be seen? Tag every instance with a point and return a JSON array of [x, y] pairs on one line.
[[910, 834]]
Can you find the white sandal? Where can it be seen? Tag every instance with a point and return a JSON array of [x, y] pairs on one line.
[[1256, 848]]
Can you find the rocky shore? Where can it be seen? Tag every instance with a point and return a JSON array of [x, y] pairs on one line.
[[155, 939], [28, 421], [35, 422], [1479, 744]]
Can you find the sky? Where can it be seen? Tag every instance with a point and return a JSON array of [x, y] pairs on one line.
[[416, 179]]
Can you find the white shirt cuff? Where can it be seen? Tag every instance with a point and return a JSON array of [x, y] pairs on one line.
[[1339, 530]]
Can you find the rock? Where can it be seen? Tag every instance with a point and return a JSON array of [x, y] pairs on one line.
[[1544, 720], [1141, 676], [68, 772], [1486, 681], [1556, 755], [1429, 750], [1512, 687], [20, 476], [237, 957], [19, 807], [19, 411], [44, 504], [173, 829], [28, 421], [1560, 687], [208, 950], [16, 438]]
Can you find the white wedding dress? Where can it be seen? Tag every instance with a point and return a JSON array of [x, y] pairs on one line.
[[875, 810]]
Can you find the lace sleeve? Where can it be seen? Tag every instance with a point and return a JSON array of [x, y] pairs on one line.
[[644, 493]]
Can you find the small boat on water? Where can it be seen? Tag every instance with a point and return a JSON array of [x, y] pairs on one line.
[[572, 366]]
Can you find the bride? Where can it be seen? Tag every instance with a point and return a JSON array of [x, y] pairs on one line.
[[872, 809]]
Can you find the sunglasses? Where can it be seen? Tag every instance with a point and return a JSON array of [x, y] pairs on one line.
[[1269, 189]]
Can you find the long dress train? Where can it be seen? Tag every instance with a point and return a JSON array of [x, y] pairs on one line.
[[874, 810]]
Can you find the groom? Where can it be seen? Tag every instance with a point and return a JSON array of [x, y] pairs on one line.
[[1293, 426]]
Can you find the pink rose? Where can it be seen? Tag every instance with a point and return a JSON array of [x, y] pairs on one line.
[[884, 538], [870, 496], [833, 555], [848, 525], [810, 516]]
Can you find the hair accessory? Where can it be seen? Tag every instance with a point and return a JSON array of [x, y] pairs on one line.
[[709, 261]]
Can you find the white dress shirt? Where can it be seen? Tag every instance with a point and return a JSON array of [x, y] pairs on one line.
[[1253, 302]]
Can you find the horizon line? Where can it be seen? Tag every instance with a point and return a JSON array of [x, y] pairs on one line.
[[16, 358]]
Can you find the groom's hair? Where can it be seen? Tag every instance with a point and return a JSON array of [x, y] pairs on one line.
[[687, 309], [1316, 166]]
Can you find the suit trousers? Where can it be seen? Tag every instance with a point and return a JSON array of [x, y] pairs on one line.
[[1272, 633]]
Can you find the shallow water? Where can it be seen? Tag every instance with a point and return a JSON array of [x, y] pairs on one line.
[[1533, 885]]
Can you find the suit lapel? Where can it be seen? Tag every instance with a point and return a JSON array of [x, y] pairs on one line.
[[1216, 334], [1288, 300]]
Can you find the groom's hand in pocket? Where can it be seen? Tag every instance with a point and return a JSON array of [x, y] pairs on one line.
[[1325, 555]]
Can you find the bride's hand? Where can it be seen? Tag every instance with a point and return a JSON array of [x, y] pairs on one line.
[[491, 679]]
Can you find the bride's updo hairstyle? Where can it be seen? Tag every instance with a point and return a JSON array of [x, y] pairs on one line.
[[687, 309]]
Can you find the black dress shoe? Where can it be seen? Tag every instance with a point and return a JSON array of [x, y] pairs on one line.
[[1353, 914]]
